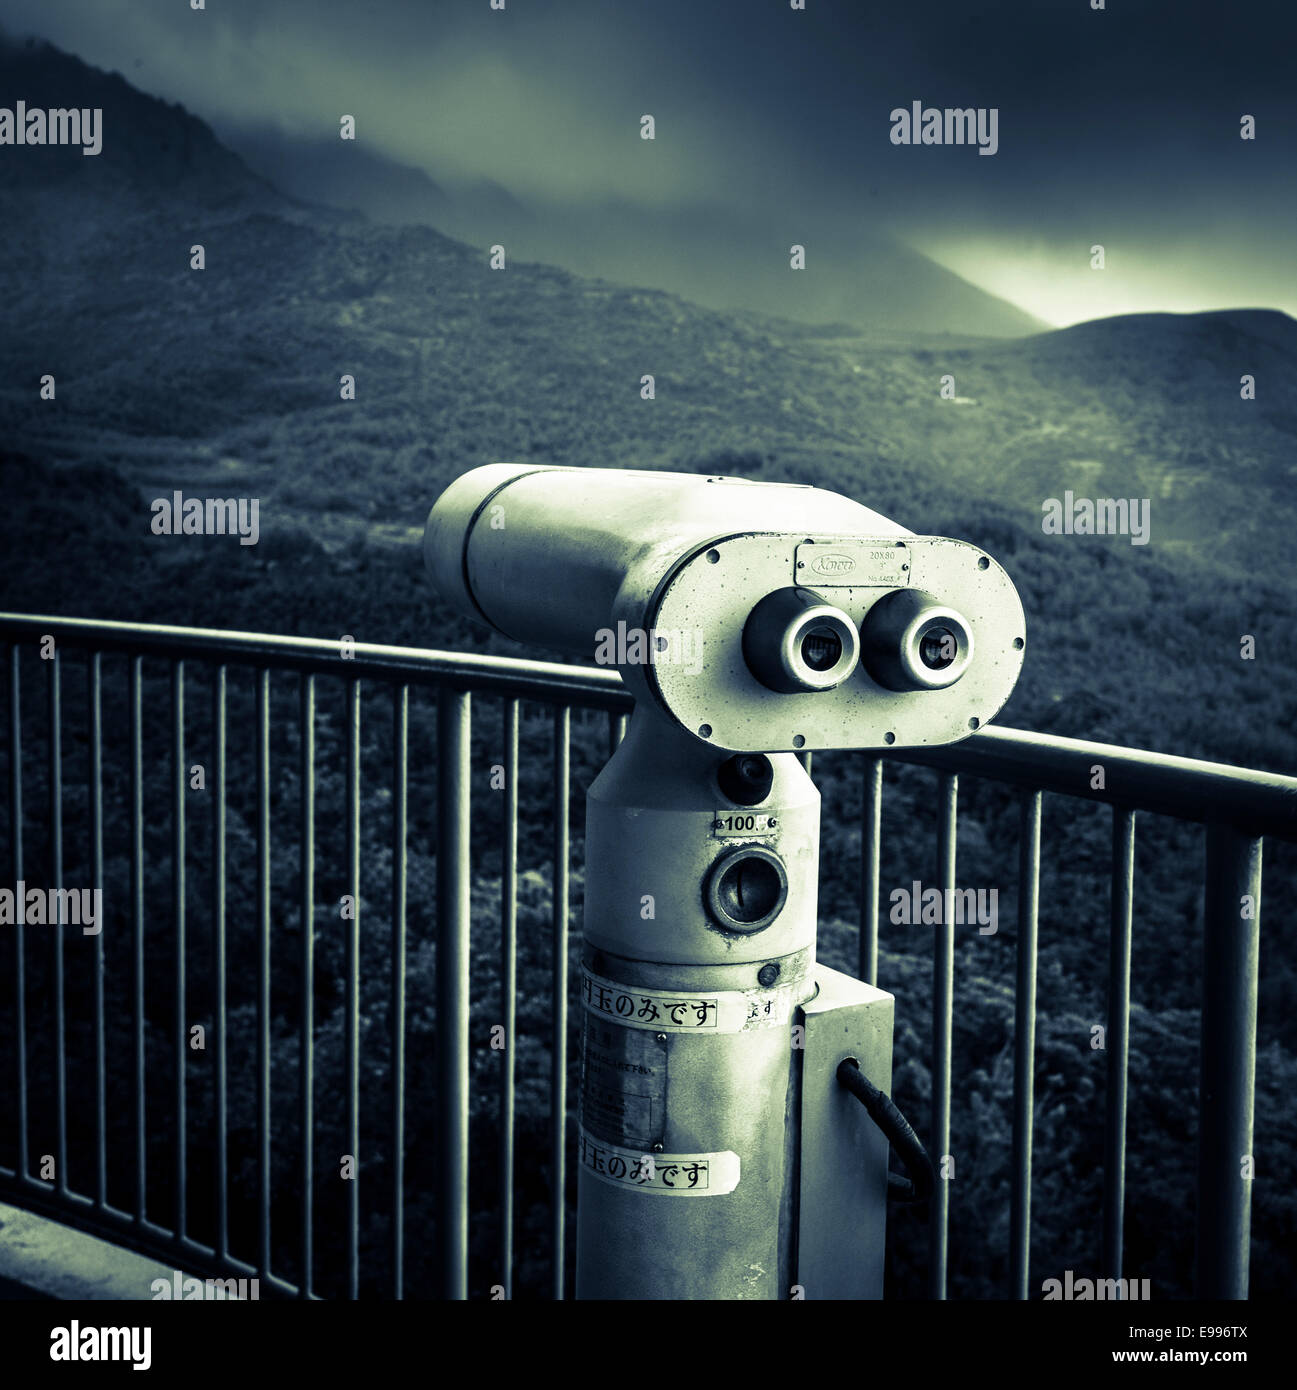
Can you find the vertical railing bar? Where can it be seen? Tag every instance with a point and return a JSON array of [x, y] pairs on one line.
[[616, 730], [1117, 1039], [220, 1079], [307, 1038], [1024, 1042], [56, 872], [1227, 1084], [1228, 1013], [509, 983], [94, 692], [16, 864], [400, 823], [870, 842], [943, 986], [263, 972], [178, 913], [135, 696], [558, 1072], [454, 714], [353, 988]]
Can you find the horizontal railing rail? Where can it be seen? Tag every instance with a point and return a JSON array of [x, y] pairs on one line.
[[533, 680], [1238, 807], [1189, 789]]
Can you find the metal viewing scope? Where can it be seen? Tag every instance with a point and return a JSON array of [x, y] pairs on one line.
[[757, 617], [718, 1153]]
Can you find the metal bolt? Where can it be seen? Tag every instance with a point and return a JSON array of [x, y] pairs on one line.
[[767, 975], [657, 1148], [661, 1037]]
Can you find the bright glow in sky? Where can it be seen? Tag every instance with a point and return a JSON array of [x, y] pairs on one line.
[[1056, 283], [1120, 128]]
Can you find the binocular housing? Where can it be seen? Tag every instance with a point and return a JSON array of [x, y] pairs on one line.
[[757, 617]]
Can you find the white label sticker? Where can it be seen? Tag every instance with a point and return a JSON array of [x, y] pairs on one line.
[[664, 1175], [674, 1011], [726, 823]]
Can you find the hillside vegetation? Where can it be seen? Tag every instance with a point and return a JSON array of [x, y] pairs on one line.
[[226, 382]]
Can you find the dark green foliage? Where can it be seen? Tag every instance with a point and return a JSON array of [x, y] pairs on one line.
[[96, 557]]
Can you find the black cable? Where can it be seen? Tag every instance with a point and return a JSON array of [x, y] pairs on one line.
[[900, 1135]]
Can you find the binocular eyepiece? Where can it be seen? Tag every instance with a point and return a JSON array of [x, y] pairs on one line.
[[794, 641], [913, 641], [808, 620]]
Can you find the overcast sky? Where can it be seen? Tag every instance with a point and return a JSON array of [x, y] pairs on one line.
[[1118, 127]]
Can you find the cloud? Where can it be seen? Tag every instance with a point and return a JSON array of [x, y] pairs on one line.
[[1116, 126]]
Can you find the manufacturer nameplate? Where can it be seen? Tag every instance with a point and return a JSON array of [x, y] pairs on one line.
[[623, 1083], [853, 564]]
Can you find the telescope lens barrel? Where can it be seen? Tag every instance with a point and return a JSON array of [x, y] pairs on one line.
[[938, 647], [910, 641], [746, 889], [793, 591], [793, 641], [821, 647]]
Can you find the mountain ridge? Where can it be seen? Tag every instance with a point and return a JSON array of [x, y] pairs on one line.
[[714, 256], [457, 363]]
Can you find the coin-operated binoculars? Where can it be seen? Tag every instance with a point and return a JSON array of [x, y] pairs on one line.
[[720, 1156]]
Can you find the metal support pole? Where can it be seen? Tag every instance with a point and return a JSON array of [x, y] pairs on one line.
[[1231, 932], [1118, 1039], [943, 993], [870, 841], [1024, 1044], [452, 984], [693, 1053]]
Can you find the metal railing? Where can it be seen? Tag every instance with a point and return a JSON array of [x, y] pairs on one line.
[[1238, 808]]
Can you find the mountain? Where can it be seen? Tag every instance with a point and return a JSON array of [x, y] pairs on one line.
[[346, 175], [226, 381], [855, 276], [148, 146], [1152, 406], [200, 376], [351, 177], [721, 257]]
